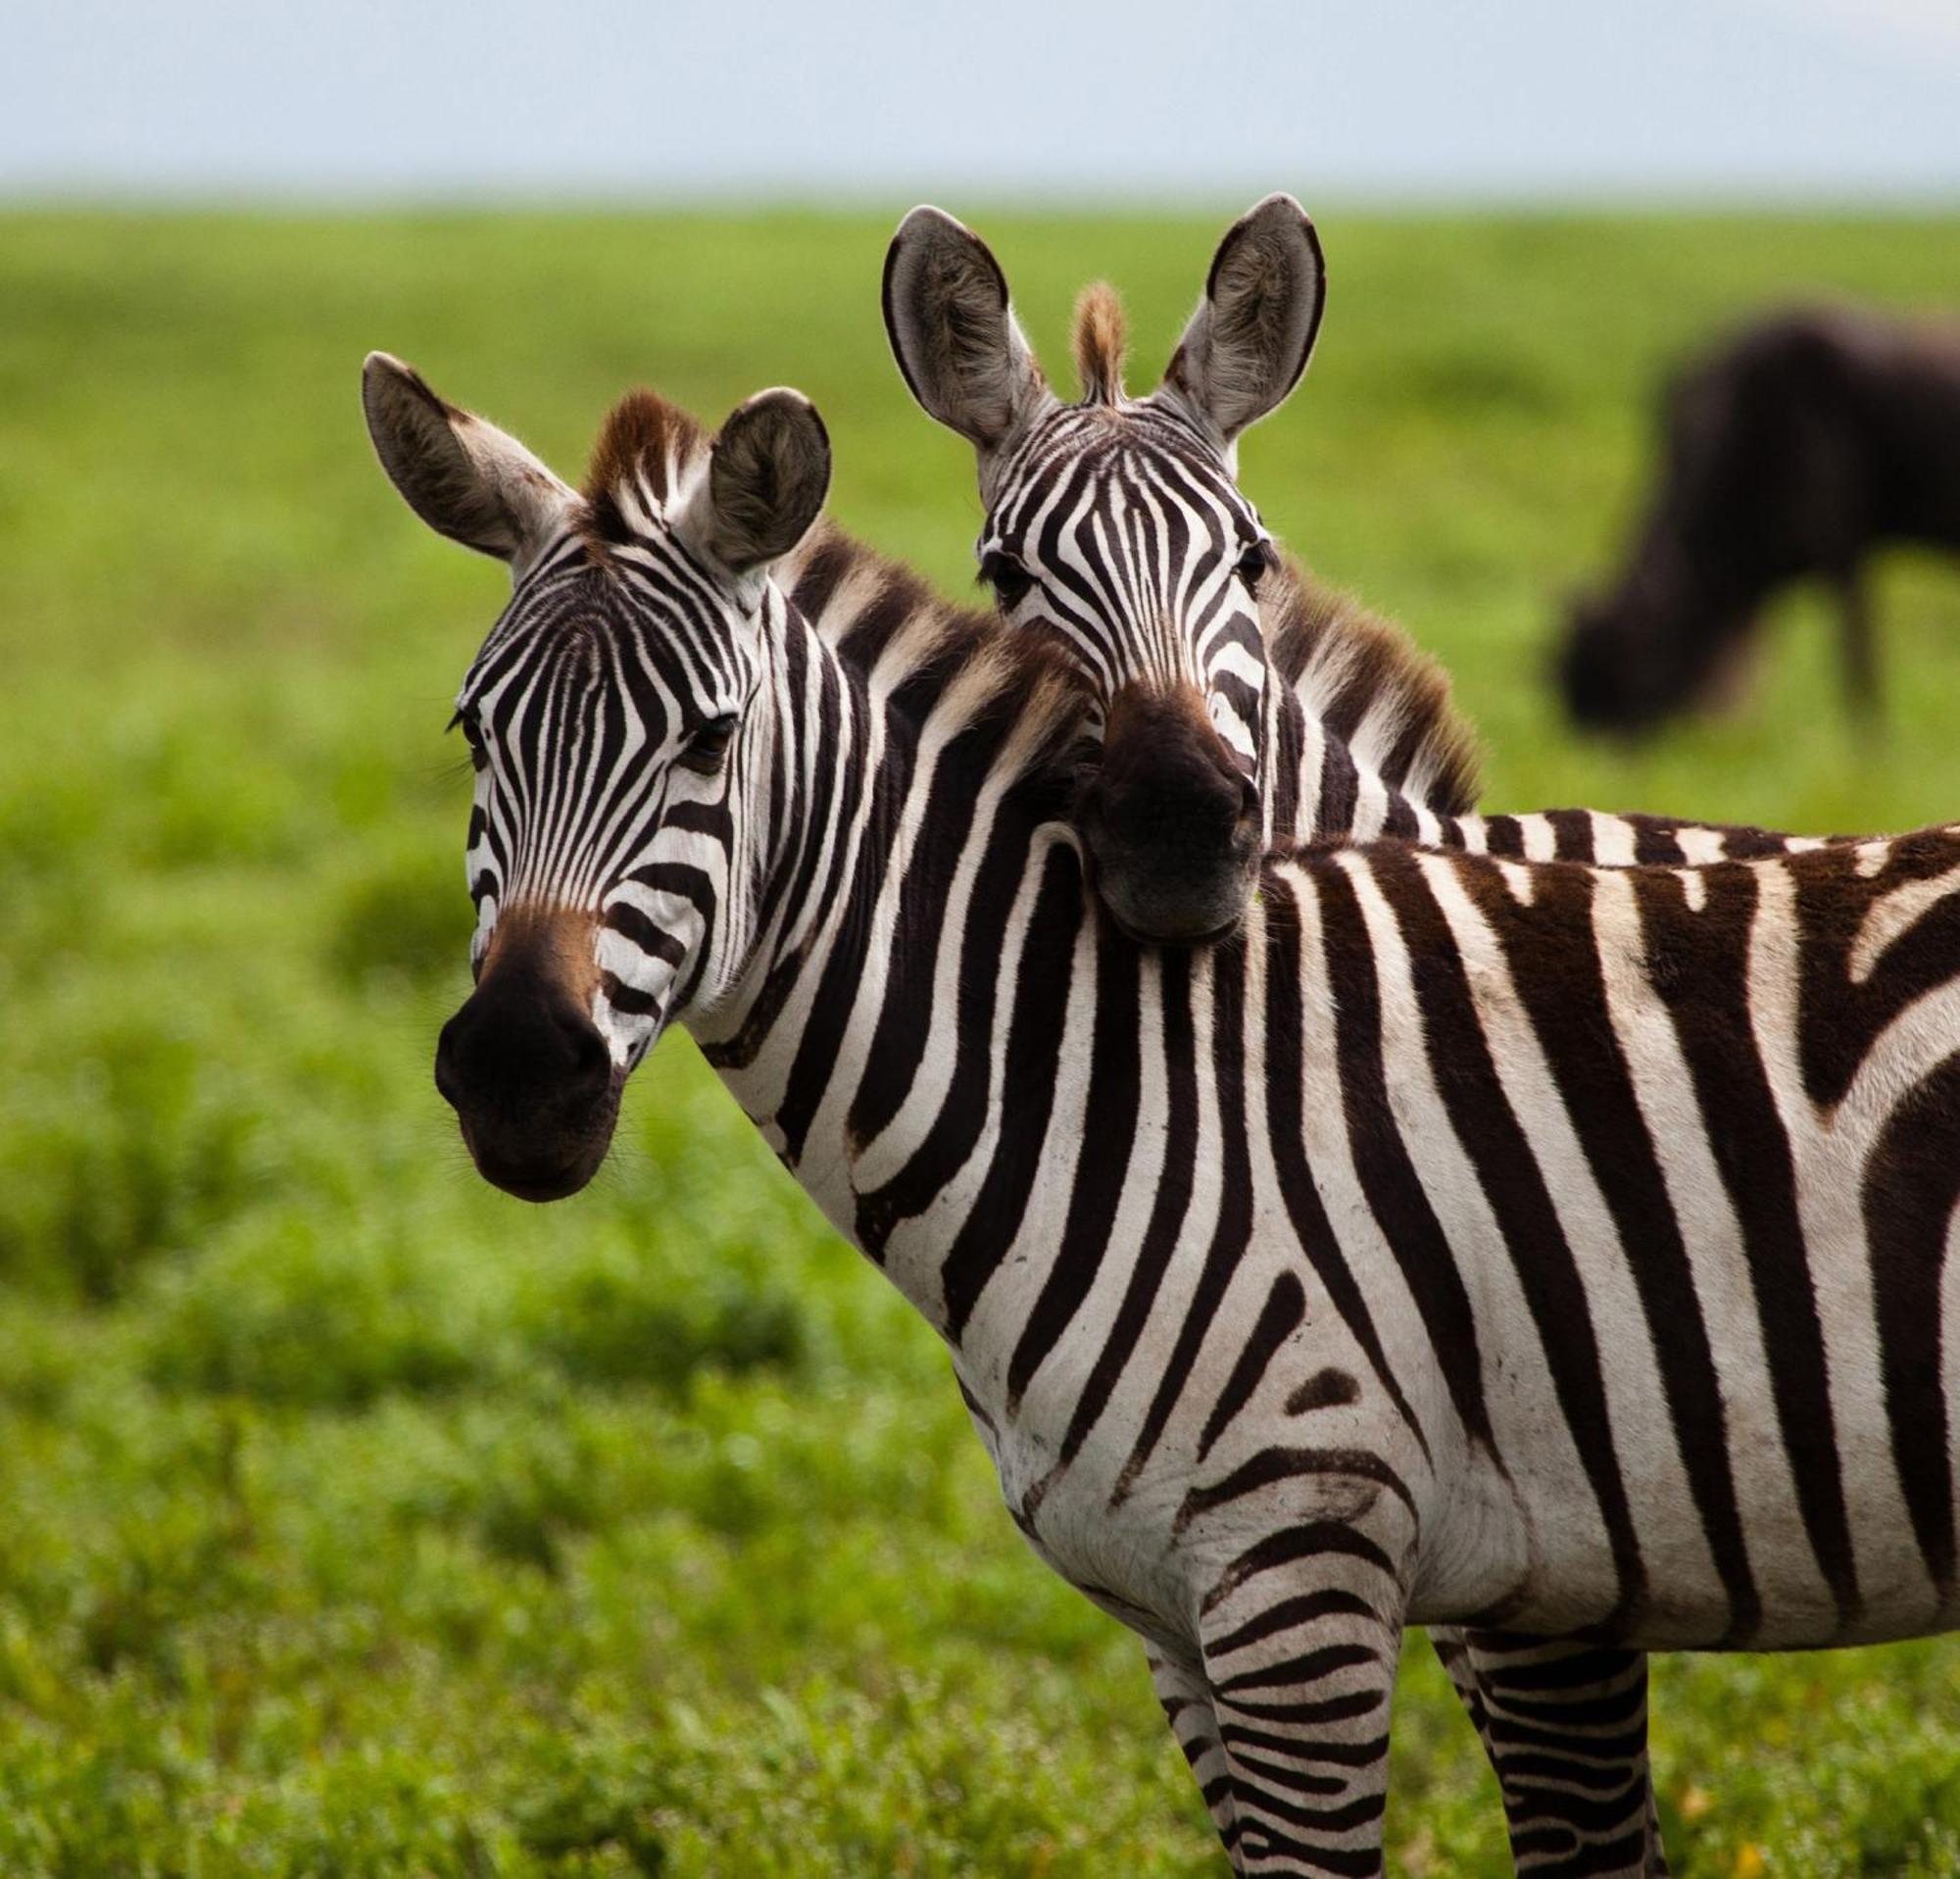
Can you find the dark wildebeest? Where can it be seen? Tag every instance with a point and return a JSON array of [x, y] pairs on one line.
[[1792, 449]]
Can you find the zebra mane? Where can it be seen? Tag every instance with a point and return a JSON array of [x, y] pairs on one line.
[[644, 445], [1356, 671], [1099, 342], [1370, 686]]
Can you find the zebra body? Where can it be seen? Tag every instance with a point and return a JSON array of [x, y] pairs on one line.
[[1474, 1146]]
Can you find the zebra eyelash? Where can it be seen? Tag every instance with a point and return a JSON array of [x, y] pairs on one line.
[[1257, 561], [1004, 574], [461, 720], [707, 751]]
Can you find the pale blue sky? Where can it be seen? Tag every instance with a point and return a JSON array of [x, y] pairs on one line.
[[1665, 99]]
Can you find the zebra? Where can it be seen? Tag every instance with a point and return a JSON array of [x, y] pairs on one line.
[[1109, 524], [1590, 1221]]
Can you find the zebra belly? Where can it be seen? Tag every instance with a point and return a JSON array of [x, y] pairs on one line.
[[1566, 1583]]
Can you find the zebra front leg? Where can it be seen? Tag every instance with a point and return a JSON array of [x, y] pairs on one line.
[[1565, 1726], [1301, 1671], [1532, 1834], [1187, 1706], [1860, 656]]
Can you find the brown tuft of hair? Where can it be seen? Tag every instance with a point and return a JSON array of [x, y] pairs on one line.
[[644, 437], [1099, 341]]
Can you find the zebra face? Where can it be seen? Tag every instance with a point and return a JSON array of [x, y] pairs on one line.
[[1116, 526], [1118, 532], [604, 717], [614, 721]]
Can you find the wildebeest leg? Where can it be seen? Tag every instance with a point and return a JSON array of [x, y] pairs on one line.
[[1861, 671]]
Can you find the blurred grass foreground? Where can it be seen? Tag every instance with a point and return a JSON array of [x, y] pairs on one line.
[[357, 1519]]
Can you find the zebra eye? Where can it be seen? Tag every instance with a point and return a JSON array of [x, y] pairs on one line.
[[707, 747], [1254, 562], [1010, 580], [473, 735]]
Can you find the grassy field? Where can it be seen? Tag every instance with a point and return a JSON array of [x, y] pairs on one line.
[[357, 1519]]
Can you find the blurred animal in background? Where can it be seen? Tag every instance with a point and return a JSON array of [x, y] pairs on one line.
[[1792, 449]]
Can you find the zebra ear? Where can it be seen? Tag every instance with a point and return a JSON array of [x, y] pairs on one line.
[[953, 333], [767, 480], [1250, 337], [465, 477]]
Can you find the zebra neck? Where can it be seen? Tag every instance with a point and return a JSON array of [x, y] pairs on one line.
[[1319, 786], [921, 796]]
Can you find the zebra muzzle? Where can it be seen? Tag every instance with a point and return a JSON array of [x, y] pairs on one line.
[[1169, 820], [534, 1087]]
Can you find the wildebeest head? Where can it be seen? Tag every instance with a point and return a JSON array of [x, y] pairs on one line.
[[1658, 642], [1665, 635]]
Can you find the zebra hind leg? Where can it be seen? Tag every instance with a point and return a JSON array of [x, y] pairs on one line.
[[1453, 1652], [1565, 1726]]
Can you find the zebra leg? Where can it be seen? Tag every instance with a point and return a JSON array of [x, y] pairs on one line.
[[1860, 656], [1187, 1706], [1565, 1726], [1453, 1652], [1523, 1811], [1301, 1685]]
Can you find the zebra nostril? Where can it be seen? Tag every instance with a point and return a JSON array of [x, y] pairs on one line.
[[591, 1061], [445, 1065]]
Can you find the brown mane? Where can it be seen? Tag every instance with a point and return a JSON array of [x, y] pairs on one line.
[[1358, 673], [1099, 341], [857, 599], [1372, 687], [645, 440]]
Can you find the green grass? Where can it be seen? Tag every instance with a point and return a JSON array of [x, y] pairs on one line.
[[354, 1518]]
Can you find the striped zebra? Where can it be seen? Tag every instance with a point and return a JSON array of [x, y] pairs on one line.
[[1116, 527], [1589, 1222], [1110, 526]]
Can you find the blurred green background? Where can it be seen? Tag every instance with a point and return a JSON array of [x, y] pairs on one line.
[[357, 1518]]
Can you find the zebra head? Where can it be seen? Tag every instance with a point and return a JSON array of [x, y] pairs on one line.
[[618, 754], [1118, 525]]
